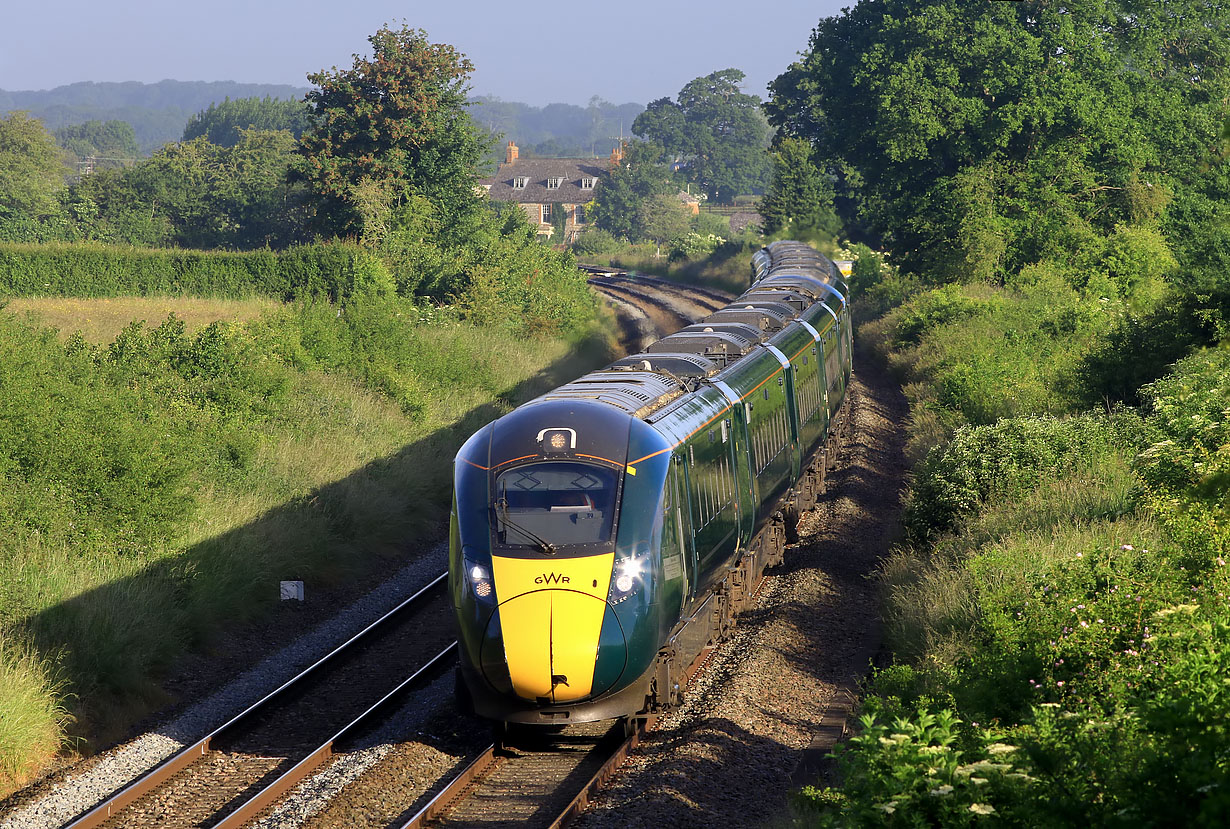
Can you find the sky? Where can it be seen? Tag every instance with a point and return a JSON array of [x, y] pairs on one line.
[[537, 53]]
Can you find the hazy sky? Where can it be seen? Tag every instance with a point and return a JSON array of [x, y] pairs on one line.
[[628, 50]]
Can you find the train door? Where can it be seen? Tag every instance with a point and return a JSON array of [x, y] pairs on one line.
[[682, 509]]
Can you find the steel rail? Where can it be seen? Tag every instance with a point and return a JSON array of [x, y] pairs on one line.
[[639, 728], [659, 300], [275, 790], [680, 287], [181, 760], [455, 789]]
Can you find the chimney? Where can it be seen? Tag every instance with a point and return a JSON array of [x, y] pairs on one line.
[[617, 155], [510, 153]]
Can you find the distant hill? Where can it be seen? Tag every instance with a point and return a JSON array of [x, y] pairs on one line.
[[156, 111], [561, 130]]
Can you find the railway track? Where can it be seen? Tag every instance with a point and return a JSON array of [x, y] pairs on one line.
[[234, 773], [651, 308]]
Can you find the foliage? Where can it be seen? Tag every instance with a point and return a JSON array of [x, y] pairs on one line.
[[618, 197], [223, 124], [910, 771], [1003, 460], [975, 139], [661, 218], [799, 200], [196, 194], [596, 241], [156, 111], [397, 119], [693, 245], [114, 140], [334, 271], [1075, 609], [717, 130], [31, 169]]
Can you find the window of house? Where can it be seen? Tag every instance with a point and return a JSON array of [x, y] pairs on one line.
[[546, 212], [554, 182], [580, 214], [519, 182], [587, 184]]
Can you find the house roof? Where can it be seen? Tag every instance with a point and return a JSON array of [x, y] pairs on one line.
[[537, 171]]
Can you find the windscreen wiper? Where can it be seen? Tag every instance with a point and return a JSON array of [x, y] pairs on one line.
[[544, 545]]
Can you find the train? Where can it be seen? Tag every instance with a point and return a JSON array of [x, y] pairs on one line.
[[604, 536]]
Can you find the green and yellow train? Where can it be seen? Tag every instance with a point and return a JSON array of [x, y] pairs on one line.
[[605, 534]]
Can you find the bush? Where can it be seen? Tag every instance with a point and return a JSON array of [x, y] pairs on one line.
[[597, 242], [1005, 459], [335, 271]]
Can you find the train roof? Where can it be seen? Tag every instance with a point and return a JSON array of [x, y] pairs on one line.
[[680, 365], [791, 278], [636, 392]]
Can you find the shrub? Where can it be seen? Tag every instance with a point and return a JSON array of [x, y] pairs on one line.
[[336, 271], [1004, 459]]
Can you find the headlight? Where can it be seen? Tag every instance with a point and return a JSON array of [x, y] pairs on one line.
[[627, 578], [478, 576]]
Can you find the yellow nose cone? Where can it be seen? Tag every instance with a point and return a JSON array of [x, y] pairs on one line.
[[551, 613]]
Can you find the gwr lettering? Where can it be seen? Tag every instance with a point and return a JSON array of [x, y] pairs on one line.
[[552, 578]]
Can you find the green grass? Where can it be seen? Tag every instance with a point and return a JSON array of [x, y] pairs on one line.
[[156, 488]]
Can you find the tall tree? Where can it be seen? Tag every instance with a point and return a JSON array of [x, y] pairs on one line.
[[800, 196], [31, 169], [197, 194], [718, 131], [640, 175], [115, 140], [222, 123], [398, 119], [662, 218], [976, 137]]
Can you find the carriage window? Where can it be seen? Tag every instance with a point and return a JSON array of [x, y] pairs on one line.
[[560, 502]]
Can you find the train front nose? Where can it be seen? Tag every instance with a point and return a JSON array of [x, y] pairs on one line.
[[556, 626]]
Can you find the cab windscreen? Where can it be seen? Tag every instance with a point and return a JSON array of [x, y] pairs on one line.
[[556, 503]]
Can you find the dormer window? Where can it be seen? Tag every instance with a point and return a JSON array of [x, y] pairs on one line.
[[519, 182], [587, 184], [554, 182]]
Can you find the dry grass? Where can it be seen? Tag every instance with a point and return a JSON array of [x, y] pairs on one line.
[[100, 320], [31, 716]]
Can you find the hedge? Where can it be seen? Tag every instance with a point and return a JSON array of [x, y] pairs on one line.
[[333, 270]]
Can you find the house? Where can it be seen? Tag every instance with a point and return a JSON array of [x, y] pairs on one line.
[[544, 185]]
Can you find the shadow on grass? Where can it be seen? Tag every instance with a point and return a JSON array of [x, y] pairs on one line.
[[115, 645]]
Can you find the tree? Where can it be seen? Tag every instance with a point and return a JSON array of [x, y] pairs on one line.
[[114, 140], [31, 169], [661, 218], [719, 133], [222, 123], [977, 137], [197, 194], [398, 119], [800, 196], [640, 175]]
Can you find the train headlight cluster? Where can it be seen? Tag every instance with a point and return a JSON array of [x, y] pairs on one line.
[[479, 578], [627, 578]]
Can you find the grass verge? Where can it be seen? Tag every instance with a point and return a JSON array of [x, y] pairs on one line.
[[156, 488]]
